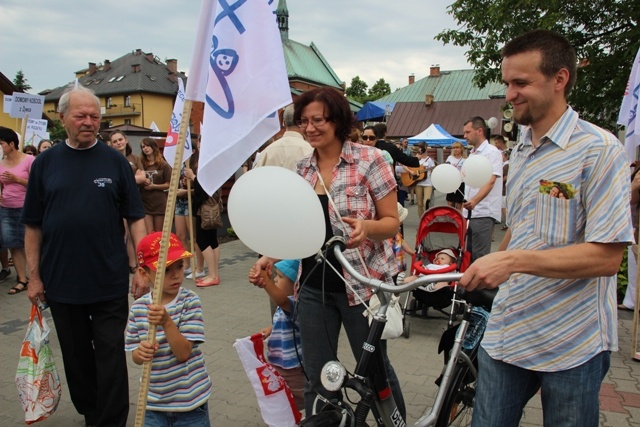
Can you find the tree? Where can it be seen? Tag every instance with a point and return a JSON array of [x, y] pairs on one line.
[[378, 90], [605, 34], [57, 131], [21, 82], [357, 90]]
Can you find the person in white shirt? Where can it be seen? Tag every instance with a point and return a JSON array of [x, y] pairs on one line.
[[485, 203]]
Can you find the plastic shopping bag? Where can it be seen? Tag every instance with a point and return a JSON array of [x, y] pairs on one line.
[[276, 402], [37, 378]]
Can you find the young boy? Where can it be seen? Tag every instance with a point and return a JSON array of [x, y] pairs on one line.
[[443, 259], [282, 350], [179, 385]]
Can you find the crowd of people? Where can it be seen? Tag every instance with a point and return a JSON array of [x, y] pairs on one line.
[[567, 180]]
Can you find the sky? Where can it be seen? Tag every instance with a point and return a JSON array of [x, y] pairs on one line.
[[51, 40]]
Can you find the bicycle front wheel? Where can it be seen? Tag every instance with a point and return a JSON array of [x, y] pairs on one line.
[[457, 409]]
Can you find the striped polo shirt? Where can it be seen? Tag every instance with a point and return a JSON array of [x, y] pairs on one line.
[[573, 188], [173, 386]]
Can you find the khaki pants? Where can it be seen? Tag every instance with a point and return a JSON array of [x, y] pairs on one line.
[[423, 194]]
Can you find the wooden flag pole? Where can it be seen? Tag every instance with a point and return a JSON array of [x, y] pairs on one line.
[[162, 258], [23, 131]]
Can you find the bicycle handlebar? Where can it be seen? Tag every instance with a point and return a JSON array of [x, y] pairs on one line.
[[339, 244]]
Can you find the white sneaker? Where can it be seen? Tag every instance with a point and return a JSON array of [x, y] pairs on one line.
[[187, 271], [199, 275]]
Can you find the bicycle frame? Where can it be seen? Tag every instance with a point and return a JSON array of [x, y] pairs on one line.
[[430, 417], [370, 377]]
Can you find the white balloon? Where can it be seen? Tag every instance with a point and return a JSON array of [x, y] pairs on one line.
[[446, 178], [492, 123], [476, 171], [275, 212]]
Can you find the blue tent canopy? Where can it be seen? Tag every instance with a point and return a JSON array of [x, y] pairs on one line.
[[435, 135], [374, 110]]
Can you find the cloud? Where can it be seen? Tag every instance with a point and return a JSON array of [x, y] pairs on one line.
[[374, 39]]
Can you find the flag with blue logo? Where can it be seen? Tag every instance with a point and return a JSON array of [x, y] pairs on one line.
[[174, 130], [629, 111], [238, 71]]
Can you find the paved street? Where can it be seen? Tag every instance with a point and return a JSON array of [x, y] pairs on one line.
[[236, 309]]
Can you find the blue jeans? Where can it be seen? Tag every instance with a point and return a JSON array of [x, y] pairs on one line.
[[320, 318], [569, 398], [198, 417]]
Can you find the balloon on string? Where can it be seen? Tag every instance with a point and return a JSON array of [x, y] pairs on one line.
[[476, 171], [275, 212], [492, 123], [446, 178]]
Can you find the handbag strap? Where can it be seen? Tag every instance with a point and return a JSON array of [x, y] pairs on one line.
[[344, 226]]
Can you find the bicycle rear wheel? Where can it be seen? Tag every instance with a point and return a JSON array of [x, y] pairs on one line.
[[457, 409]]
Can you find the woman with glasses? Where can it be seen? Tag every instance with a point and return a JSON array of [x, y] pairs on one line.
[[456, 158], [356, 188]]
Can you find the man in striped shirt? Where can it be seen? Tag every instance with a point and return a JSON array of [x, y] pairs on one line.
[[554, 322]]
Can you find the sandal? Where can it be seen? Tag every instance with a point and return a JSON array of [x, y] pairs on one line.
[[16, 289]]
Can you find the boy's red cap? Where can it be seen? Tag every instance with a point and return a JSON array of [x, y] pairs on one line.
[[149, 250]]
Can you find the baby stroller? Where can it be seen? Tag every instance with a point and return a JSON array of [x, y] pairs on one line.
[[441, 227]]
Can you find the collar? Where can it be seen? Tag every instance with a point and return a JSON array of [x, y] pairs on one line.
[[80, 149], [346, 155], [292, 134], [559, 133], [481, 147]]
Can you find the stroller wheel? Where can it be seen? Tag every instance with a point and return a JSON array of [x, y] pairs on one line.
[[406, 328]]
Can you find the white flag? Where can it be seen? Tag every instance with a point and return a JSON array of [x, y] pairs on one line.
[[629, 111], [238, 53], [276, 402], [174, 130]]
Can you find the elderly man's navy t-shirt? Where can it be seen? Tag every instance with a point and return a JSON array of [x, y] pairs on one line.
[[79, 198]]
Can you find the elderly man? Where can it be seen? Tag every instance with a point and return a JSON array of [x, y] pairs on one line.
[[288, 150], [554, 322], [77, 196]]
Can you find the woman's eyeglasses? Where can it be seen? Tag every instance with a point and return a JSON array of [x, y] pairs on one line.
[[369, 138], [316, 122]]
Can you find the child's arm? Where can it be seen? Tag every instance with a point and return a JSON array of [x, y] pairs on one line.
[[180, 346], [279, 296], [408, 249]]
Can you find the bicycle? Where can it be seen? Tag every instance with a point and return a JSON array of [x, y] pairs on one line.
[[454, 401]]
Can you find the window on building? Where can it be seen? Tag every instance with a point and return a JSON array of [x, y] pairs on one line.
[[127, 121], [127, 101], [108, 102]]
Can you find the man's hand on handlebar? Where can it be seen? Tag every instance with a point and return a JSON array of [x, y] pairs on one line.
[[263, 264], [488, 272]]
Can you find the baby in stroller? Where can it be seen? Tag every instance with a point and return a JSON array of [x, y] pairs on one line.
[[442, 260]]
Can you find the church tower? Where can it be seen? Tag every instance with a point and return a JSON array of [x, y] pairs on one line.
[[282, 16]]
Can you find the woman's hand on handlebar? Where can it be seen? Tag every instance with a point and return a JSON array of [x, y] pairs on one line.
[[263, 264], [359, 231]]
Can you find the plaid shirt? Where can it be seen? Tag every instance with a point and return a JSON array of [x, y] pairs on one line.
[[359, 180]]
